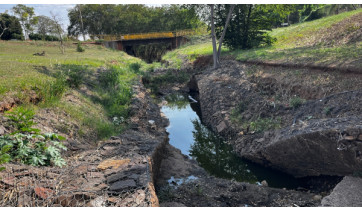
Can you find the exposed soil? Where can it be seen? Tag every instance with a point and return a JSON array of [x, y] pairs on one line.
[[331, 114]]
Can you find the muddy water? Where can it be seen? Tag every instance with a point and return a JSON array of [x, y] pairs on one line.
[[187, 133]]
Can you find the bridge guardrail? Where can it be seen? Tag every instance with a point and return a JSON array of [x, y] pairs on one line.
[[142, 36]]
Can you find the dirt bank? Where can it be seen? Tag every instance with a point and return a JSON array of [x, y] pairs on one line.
[[298, 121], [115, 172]]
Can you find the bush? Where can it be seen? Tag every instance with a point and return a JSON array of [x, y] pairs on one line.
[[4, 157], [27, 145], [295, 102], [53, 91], [21, 119], [80, 48], [34, 149], [135, 67]]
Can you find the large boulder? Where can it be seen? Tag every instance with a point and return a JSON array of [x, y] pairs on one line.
[[348, 193], [318, 147]]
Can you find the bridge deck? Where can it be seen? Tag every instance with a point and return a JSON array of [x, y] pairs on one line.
[[143, 36]]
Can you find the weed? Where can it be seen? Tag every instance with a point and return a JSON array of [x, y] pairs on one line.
[[34, 149], [4, 156], [296, 101], [238, 110], [263, 124], [80, 48], [21, 118], [135, 67], [51, 92], [27, 145], [327, 110]]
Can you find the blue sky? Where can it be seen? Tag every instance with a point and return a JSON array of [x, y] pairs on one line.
[[44, 9]]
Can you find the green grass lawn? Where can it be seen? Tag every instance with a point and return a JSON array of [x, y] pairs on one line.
[[20, 70], [93, 110]]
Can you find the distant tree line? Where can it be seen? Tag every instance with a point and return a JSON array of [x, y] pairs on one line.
[[99, 19]]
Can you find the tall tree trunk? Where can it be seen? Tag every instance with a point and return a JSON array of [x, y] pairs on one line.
[[224, 31], [213, 36], [246, 28], [81, 21], [4, 28]]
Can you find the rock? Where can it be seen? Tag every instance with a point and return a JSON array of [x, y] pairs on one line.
[[360, 137], [112, 163], [312, 150], [172, 204], [347, 193], [264, 183], [349, 138], [317, 197], [80, 170], [122, 185], [2, 130], [98, 202], [43, 193], [221, 127]]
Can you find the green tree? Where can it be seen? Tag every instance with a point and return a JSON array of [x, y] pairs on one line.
[[10, 27], [46, 26], [249, 24], [26, 17]]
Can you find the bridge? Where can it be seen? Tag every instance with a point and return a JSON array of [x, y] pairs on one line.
[[127, 42]]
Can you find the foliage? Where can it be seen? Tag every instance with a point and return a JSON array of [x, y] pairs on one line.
[[21, 119], [80, 48], [171, 76], [26, 17], [296, 101], [34, 149], [249, 24], [4, 156], [46, 27], [116, 92], [135, 67], [13, 26], [99, 19], [262, 124], [51, 92], [27, 145], [35, 36]]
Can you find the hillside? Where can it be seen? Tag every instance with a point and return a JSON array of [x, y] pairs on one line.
[[333, 41]]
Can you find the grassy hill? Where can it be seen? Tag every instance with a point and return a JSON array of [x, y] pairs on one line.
[[333, 41], [85, 89]]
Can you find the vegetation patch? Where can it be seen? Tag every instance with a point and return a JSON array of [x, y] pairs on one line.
[[27, 145]]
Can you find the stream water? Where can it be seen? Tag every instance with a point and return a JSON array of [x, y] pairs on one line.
[[187, 133]]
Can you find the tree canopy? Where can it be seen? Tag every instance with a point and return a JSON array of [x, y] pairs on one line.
[[101, 19], [10, 27], [26, 17], [249, 23]]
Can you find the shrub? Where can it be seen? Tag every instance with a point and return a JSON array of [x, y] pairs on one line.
[[51, 92], [80, 48], [21, 118], [4, 157], [27, 145], [34, 149], [295, 102], [135, 67]]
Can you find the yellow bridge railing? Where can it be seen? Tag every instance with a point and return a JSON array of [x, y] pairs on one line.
[[142, 36]]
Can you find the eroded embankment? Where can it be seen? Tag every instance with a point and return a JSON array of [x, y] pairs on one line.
[[117, 172], [270, 123]]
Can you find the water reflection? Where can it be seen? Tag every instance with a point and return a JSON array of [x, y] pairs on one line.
[[187, 133], [217, 157]]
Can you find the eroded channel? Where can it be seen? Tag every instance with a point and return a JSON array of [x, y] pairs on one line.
[[188, 134]]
